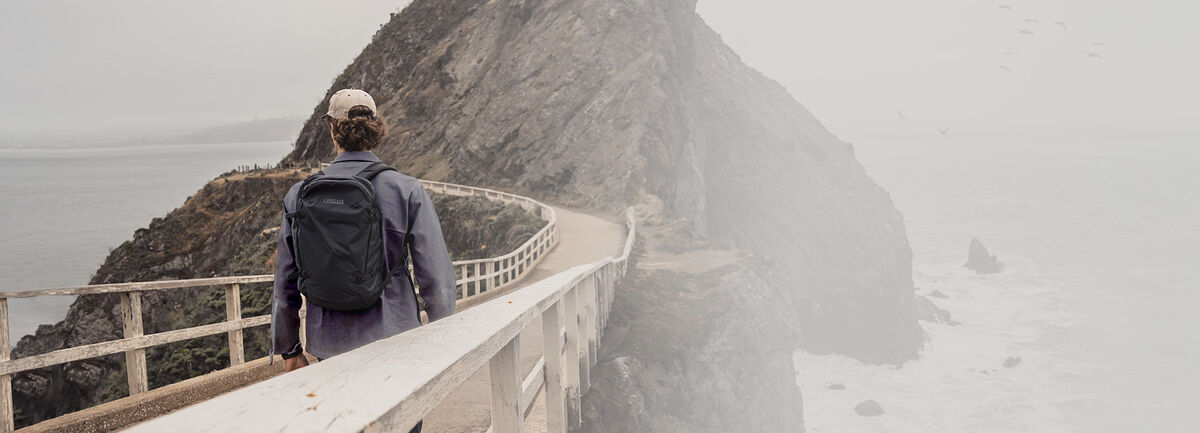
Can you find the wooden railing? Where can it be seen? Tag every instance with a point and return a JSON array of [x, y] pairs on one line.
[[477, 276], [391, 384], [481, 275]]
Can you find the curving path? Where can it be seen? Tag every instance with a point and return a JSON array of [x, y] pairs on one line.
[[583, 239]]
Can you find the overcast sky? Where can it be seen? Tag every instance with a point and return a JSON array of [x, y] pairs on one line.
[[119, 64]]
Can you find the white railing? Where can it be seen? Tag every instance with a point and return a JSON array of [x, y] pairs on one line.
[[391, 384], [481, 275], [476, 277]]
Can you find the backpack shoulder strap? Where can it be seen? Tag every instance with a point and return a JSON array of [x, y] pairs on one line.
[[371, 170]]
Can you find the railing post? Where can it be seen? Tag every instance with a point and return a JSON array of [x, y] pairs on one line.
[[585, 333], [233, 312], [599, 295], [485, 283], [6, 400], [135, 360], [594, 318], [506, 388], [571, 306], [552, 344]]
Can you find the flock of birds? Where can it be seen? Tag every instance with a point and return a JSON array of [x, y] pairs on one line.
[[1091, 52]]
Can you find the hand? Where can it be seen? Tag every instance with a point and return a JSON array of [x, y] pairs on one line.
[[295, 362]]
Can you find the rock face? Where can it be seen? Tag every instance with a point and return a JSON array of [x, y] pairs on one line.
[[929, 312], [681, 355], [603, 104], [980, 260], [606, 103], [869, 408]]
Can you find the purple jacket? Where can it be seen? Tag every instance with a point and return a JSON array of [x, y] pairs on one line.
[[403, 201]]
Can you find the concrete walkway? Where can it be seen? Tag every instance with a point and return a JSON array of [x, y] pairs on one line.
[[584, 239]]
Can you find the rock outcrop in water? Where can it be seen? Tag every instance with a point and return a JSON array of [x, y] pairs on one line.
[[929, 312], [980, 260]]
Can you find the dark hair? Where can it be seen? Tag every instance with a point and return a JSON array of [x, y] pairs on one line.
[[362, 131]]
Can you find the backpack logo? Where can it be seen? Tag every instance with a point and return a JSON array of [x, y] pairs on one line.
[[336, 201]]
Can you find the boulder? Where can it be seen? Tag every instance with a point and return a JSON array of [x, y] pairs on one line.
[[869, 408], [927, 311], [980, 260]]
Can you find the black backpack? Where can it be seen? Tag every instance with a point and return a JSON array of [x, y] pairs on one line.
[[337, 236]]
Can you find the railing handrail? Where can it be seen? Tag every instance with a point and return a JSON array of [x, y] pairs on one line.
[[488, 274], [391, 384]]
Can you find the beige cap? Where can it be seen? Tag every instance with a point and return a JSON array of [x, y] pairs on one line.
[[342, 101]]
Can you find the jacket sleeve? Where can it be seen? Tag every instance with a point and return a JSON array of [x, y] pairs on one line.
[[285, 300], [431, 262]]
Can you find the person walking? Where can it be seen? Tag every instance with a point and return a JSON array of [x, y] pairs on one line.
[[346, 235]]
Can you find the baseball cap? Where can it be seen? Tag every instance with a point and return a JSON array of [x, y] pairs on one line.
[[342, 101]]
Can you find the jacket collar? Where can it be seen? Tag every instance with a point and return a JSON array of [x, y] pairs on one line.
[[363, 155]]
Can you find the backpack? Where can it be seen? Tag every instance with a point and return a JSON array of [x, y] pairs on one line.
[[338, 239]]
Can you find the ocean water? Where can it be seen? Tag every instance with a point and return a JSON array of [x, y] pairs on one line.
[[1101, 298], [63, 209]]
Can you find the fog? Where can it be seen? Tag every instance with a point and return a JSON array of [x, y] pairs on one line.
[[119, 65], [114, 66], [1062, 133], [857, 63]]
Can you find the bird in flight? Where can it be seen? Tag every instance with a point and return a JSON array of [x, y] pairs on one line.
[[943, 131], [1006, 7], [1005, 68], [1027, 32], [902, 116], [1093, 55], [1060, 24], [1031, 21]]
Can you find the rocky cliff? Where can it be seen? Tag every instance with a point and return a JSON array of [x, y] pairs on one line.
[[607, 103], [604, 104]]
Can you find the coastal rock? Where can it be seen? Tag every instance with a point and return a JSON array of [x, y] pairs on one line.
[[1012, 361], [938, 294], [681, 354], [603, 104], [869, 408], [929, 312], [598, 105], [980, 260]]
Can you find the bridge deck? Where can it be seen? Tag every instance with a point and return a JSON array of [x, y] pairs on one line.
[[584, 239]]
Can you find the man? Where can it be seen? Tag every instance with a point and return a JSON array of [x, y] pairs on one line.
[[411, 230]]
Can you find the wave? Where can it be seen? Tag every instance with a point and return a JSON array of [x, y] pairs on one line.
[[959, 383]]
